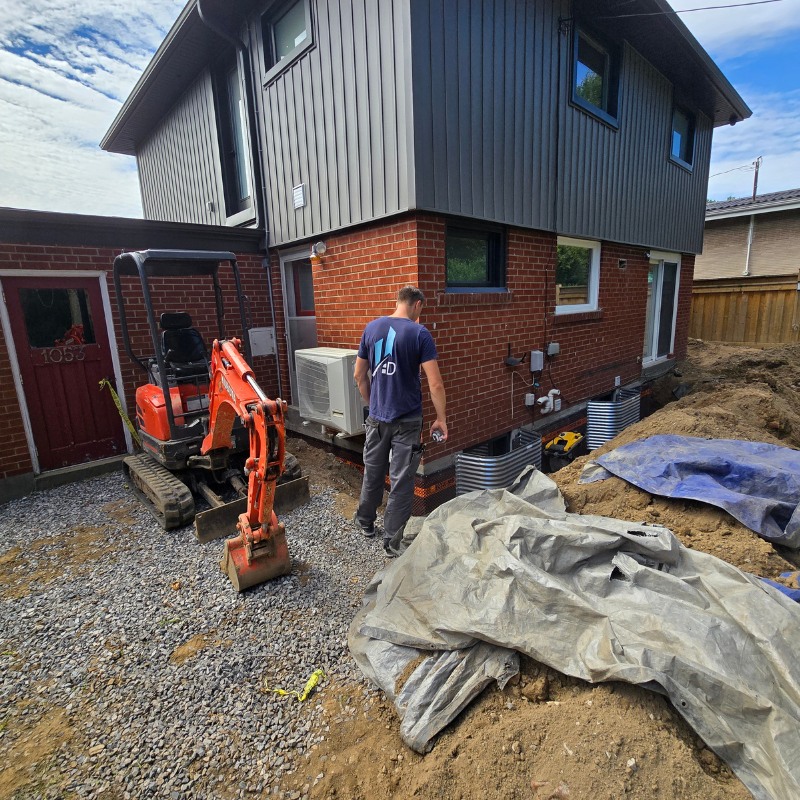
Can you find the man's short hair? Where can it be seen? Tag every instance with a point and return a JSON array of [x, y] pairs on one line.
[[410, 295]]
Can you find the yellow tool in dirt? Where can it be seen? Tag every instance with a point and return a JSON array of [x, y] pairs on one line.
[[316, 676]]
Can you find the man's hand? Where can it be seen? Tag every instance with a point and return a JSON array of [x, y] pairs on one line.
[[439, 430]]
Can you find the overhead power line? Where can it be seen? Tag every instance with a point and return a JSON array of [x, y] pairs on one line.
[[744, 168], [689, 10]]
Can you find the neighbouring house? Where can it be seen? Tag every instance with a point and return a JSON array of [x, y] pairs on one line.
[[747, 280], [538, 168]]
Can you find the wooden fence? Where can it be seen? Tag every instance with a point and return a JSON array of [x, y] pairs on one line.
[[746, 310]]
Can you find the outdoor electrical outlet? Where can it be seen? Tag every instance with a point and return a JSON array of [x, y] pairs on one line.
[[553, 348], [537, 361], [617, 381], [530, 399], [557, 404]]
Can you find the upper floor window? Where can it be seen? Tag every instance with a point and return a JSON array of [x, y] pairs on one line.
[[595, 76], [475, 258], [232, 128], [287, 32], [682, 144], [577, 275]]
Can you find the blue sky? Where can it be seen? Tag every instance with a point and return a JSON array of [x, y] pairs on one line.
[[66, 67]]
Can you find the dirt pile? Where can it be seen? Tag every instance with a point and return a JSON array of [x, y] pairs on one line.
[[551, 736]]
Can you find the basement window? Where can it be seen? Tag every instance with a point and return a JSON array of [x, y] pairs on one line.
[[577, 275], [286, 33], [475, 258]]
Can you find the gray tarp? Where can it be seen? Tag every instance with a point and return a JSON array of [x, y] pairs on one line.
[[596, 598], [755, 482]]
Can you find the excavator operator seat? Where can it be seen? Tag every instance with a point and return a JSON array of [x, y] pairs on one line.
[[183, 347]]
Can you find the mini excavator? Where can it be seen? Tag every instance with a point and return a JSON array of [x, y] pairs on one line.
[[206, 427]]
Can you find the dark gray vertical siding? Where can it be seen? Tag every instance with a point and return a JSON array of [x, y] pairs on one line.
[[484, 124], [179, 165], [497, 139], [336, 120], [620, 183]]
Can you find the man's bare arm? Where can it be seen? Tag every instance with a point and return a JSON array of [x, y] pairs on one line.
[[361, 375], [436, 387]]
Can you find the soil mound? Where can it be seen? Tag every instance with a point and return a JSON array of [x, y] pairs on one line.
[[550, 736]]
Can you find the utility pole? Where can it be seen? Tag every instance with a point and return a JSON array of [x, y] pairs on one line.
[[756, 165]]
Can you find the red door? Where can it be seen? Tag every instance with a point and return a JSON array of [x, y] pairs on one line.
[[60, 338]]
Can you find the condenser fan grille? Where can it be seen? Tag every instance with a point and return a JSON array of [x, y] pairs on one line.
[[312, 385]]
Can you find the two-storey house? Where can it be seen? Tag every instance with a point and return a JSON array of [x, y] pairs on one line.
[[537, 167]]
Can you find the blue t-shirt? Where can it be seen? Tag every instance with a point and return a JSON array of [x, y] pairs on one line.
[[395, 347]]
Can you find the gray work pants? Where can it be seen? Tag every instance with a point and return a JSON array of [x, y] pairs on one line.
[[402, 437]]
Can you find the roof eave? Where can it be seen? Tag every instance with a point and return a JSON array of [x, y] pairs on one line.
[[116, 139], [751, 210], [718, 79]]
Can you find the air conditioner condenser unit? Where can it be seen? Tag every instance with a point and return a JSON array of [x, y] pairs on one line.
[[327, 391]]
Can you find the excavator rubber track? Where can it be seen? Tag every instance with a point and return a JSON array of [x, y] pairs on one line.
[[164, 494]]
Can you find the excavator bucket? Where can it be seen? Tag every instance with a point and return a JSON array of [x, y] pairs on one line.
[[269, 561]]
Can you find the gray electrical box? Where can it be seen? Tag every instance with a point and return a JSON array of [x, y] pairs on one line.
[[537, 361], [553, 348], [262, 341]]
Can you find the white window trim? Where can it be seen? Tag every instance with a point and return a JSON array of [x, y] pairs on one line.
[[594, 275], [662, 257]]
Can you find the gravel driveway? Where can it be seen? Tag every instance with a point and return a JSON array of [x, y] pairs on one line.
[[130, 668]]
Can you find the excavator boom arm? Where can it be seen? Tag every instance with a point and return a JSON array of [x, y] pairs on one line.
[[234, 392]]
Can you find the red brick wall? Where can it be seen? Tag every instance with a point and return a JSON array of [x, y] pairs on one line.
[[358, 278], [359, 275], [194, 296], [684, 305]]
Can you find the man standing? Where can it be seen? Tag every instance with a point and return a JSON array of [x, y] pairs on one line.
[[387, 372]]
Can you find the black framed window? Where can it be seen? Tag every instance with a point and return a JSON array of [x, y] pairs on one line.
[[475, 257], [232, 129], [286, 31], [596, 75], [682, 142]]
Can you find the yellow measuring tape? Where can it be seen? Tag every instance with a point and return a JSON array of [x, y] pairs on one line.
[[311, 683], [105, 382]]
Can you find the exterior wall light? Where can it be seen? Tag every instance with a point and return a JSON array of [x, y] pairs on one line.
[[317, 251]]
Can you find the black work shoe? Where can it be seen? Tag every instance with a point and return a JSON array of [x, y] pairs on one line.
[[389, 550], [368, 531]]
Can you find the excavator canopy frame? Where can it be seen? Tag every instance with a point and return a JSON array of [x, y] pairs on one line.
[[147, 264]]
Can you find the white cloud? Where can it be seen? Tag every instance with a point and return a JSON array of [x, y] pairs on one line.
[[65, 70], [772, 132], [733, 32]]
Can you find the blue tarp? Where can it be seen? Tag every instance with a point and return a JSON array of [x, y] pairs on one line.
[[755, 482], [792, 594]]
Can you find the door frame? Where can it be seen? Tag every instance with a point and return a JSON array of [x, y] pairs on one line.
[[5, 323], [294, 254], [657, 258]]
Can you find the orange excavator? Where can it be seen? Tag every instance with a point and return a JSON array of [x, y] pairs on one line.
[[207, 430]]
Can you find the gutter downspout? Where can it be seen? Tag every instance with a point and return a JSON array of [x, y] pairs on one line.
[[216, 24], [750, 233]]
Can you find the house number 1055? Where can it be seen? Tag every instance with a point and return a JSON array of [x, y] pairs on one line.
[[63, 355]]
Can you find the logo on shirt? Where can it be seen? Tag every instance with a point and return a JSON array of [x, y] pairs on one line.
[[382, 360]]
